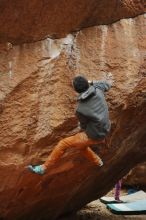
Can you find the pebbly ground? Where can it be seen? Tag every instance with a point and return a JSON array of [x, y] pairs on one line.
[[96, 210]]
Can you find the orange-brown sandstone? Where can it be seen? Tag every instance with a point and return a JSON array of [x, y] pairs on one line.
[[29, 21], [37, 106]]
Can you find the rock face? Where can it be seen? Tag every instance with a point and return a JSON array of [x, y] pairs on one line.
[[37, 105], [136, 177], [29, 21]]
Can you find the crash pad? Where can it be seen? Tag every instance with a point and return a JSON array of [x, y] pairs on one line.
[[127, 198], [130, 208]]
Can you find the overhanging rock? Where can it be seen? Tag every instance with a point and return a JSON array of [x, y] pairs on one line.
[[29, 21], [37, 109]]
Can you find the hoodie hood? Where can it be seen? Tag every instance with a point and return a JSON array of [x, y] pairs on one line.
[[88, 93]]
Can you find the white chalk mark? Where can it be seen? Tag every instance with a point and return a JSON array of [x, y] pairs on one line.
[[9, 46], [104, 30], [10, 69]]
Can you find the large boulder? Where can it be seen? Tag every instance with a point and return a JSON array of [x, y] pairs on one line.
[[37, 105], [29, 21]]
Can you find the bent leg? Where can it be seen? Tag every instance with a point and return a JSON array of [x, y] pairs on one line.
[[90, 155], [56, 154], [73, 141], [79, 141]]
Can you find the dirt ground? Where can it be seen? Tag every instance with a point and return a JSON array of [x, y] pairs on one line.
[[98, 211]]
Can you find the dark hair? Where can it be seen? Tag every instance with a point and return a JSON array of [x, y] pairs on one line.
[[80, 84]]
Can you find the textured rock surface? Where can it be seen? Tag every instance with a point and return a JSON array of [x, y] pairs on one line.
[[28, 21], [137, 176], [37, 109]]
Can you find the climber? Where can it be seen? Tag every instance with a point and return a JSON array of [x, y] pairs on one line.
[[93, 116]]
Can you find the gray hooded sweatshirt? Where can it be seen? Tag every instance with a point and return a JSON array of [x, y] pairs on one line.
[[92, 110]]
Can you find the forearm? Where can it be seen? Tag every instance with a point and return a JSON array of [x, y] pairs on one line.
[[104, 84]]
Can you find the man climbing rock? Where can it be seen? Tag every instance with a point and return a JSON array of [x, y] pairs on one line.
[[93, 115]]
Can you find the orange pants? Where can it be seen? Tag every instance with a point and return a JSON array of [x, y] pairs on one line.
[[79, 141]]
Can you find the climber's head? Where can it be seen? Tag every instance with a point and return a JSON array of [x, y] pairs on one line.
[[80, 84]]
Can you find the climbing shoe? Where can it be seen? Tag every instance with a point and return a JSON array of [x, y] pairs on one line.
[[37, 169], [101, 163]]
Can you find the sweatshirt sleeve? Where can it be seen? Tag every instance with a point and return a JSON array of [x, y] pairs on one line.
[[83, 120], [102, 85]]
